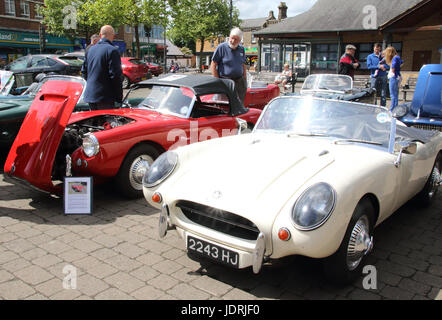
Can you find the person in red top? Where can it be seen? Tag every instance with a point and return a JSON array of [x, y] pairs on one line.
[[348, 63]]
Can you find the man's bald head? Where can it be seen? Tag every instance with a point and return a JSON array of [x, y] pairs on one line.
[[107, 32]]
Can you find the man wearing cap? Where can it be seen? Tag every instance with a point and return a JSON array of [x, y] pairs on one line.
[[228, 62], [348, 63]]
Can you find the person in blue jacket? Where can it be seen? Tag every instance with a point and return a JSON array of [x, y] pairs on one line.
[[102, 71], [378, 69]]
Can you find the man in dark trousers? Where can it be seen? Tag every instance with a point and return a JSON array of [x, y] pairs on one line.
[[102, 71], [228, 62], [348, 63]]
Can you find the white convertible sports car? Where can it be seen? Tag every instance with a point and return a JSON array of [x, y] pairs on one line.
[[313, 178]]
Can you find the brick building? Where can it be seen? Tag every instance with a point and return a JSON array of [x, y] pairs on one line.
[[313, 41], [19, 31]]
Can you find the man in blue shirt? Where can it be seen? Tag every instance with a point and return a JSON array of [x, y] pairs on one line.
[[102, 71], [378, 68], [228, 62]]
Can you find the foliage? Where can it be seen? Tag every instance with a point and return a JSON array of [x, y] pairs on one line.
[[200, 19]]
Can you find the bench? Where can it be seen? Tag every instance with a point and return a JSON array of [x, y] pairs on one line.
[[409, 86]]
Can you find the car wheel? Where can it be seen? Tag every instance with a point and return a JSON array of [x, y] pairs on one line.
[[130, 176], [126, 82], [428, 193], [346, 264]]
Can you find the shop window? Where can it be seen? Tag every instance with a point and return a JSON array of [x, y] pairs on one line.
[[325, 56], [24, 8], [10, 7], [365, 49]]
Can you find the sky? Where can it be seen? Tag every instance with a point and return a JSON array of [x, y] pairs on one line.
[[251, 9]]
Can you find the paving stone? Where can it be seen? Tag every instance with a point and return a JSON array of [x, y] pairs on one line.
[[86, 245], [167, 267], [66, 295], [123, 263], [33, 275], [211, 286], [16, 265], [107, 240], [19, 245], [55, 247], [91, 286], [103, 254], [163, 282], [5, 276], [149, 293], [145, 273], [428, 279], [15, 290], [396, 293], [359, 294], [237, 294], [51, 287], [185, 291], [113, 294], [150, 258], [130, 250], [414, 287], [101, 270], [47, 261]]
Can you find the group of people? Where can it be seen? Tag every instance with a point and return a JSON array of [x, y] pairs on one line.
[[383, 65], [102, 69]]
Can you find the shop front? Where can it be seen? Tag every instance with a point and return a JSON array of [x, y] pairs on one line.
[[275, 54], [14, 44]]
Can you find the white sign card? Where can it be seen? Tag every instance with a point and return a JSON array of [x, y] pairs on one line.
[[78, 195]]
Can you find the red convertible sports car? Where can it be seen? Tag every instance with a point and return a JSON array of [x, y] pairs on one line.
[[259, 93], [120, 143]]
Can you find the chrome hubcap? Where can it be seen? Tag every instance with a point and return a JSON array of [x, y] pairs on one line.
[[138, 169], [360, 243], [435, 182]]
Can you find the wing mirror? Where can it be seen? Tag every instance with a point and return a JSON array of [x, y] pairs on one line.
[[402, 147], [242, 125]]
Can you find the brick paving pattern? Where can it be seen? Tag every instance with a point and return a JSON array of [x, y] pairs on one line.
[[118, 255]]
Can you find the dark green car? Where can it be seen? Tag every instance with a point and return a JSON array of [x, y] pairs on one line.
[[13, 108]]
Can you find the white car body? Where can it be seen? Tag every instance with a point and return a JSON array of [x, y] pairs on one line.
[[260, 176]]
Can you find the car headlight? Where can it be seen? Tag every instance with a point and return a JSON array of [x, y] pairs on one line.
[[90, 145], [399, 111], [314, 206], [160, 169]]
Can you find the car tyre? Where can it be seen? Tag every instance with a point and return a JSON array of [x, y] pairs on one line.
[[130, 176], [428, 193], [126, 82], [345, 266]]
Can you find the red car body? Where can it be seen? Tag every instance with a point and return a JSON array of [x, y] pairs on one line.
[[155, 69], [134, 70], [258, 95], [50, 131]]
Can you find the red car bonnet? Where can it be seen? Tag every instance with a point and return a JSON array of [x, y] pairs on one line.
[[32, 154]]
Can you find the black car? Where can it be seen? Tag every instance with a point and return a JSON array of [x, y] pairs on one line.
[[45, 63]]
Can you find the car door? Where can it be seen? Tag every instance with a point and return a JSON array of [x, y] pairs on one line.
[[211, 114], [413, 171]]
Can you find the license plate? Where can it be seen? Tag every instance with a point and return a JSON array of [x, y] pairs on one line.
[[144, 78], [212, 251]]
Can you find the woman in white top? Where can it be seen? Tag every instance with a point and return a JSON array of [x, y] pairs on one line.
[[284, 76]]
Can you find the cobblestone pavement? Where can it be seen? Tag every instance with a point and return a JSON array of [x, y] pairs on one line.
[[117, 254]]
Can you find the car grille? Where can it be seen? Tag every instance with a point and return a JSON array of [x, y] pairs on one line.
[[427, 127], [219, 220]]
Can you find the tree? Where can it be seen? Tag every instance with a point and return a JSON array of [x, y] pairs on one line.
[[74, 18], [68, 18], [200, 19]]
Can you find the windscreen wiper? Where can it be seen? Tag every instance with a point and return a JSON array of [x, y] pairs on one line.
[[343, 141]]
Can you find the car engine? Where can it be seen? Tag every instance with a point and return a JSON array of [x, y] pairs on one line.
[[73, 138]]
